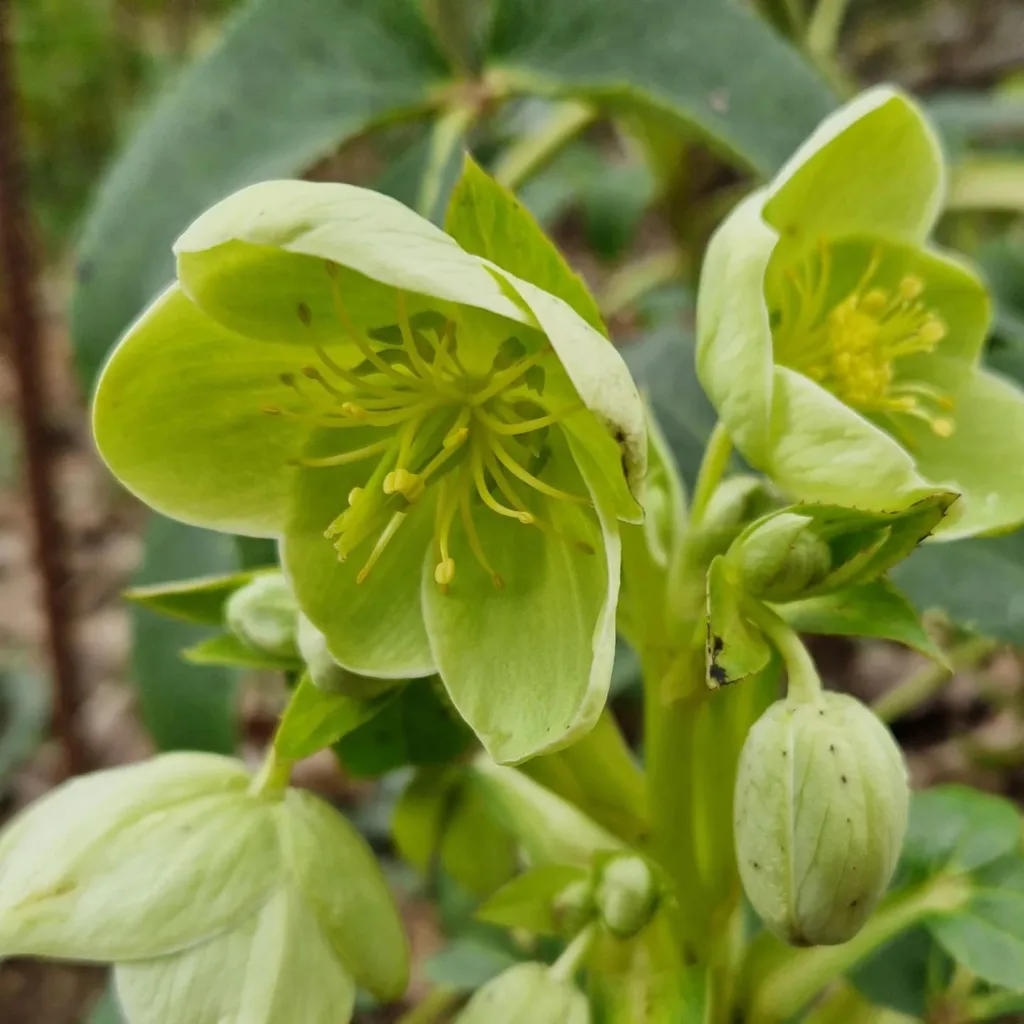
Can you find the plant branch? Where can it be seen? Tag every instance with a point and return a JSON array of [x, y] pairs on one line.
[[22, 322]]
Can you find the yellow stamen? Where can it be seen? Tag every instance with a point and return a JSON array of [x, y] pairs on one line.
[[528, 478], [382, 542], [474, 539], [488, 499], [506, 378], [346, 457]]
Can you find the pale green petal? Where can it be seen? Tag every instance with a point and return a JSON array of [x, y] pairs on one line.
[[604, 384], [341, 880], [734, 341], [821, 450], [277, 968], [874, 166], [373, 628], [526, 993], [86, 875], [178, 418], [253, 258], [982, 458], [537, 671]]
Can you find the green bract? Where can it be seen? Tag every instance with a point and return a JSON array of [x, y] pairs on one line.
[[840, 349], [443, 448], [215, 902]]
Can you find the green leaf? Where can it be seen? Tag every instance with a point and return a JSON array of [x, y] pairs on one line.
[[182, 706], [468, 963], [442, 819], [416, 728], [486, 219], [735, 648], [957, 827], [662, 363], [987, 936], [526, 901], [875, 609], [977, 583], [200, 601], [903, 974], [717, 68], [287, 85], [228, 649], [315, 719]]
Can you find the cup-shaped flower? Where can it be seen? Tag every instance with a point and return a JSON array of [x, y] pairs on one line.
[[444, 449], [527, 992], [840, 348], [214, 900]]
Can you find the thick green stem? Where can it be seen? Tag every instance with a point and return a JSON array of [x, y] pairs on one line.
[[523, 159], [566, 966], [272, 778], [803, 682], [802, 974]]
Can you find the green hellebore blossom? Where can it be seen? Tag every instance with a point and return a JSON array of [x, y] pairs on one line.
[[443, 449], [215, 901], [528, 993], [840, 349]]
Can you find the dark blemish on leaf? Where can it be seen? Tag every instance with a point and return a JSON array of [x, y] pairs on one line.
[[84, 272], [620, 435], [689, 957], [305, 315], [785, 753], [843, 777], [717, 644], [821, 713], [719, 675], [755, 865], [832, 748], [854, 903]]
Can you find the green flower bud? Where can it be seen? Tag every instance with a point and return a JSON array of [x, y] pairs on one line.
[[526, 994], [627, 895], [782, 558], [820, 813], [574, 906], [262, 614], [736, 502], [326, 673]]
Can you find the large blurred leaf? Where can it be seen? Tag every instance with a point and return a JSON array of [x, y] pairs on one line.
[[106, 1009], [674, 63], [183, 706], [904, 973], [662, 364], [289, 83], [978, 584], [973, 120]]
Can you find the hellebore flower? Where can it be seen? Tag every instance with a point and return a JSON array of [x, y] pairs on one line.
[[214, 898], [444, 449], [840, 349]]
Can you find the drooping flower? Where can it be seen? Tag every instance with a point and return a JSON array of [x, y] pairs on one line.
[[216, 896], [841, 348], [443, 448]]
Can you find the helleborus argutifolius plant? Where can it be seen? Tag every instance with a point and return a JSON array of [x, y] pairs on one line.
[[444, 449], [215, 896], [840, 348]]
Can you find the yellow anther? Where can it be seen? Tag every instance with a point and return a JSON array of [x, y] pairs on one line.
[[874, 301], [401, 481], [354, 410], [932, 331], [444, 572], [943, 427], [911, 287], [354, 495]]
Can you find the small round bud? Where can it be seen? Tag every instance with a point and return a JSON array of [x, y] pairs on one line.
[[820, 813], [782, 558], [736, 502], [574, 906], [262, 614], [627, 896], [326, 673]]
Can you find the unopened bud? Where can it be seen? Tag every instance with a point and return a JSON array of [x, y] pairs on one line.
[[326, 673], [574, 906], [627, 895], [781, 558], [736, 502], [820, 813], [262, 613]]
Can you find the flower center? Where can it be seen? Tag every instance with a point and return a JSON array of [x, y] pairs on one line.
[[852, 348], [481, 439]]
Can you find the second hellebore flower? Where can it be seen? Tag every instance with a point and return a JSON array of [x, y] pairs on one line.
[[444, 449], [840, 349]]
